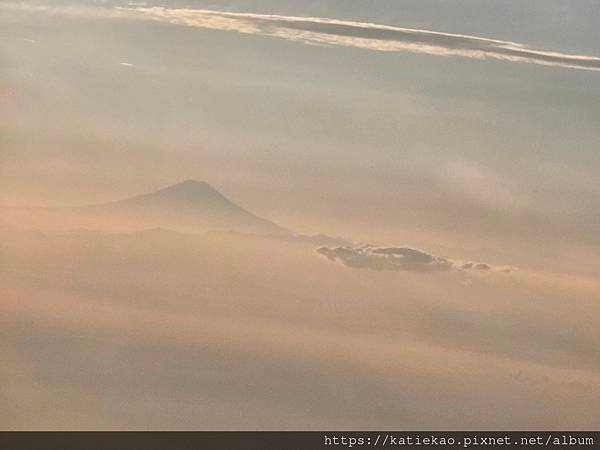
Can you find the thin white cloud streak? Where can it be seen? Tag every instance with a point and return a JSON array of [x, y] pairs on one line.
[[332, 32], [371, 36], [67, 10]]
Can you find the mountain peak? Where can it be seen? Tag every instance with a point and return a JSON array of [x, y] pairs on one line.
[[191, 182], [192, 204], [190, 190]]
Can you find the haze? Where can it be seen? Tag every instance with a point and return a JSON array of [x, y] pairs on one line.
[[299, 215]]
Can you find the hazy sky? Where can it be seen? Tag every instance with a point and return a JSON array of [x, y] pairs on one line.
[[161, 330], [411, 118], [468, 129]]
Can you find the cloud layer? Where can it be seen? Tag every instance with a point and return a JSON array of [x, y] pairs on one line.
[[371, 36], [399, 258], [332, 32]]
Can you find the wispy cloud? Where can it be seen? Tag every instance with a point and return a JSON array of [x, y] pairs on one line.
[[332, 32], [371, 36], [400, 258]]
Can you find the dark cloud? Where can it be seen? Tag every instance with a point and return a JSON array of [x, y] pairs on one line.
[[475, 266], [398, 258], [388, 258]]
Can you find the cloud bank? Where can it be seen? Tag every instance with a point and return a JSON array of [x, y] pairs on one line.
[[331, 32], [371, 36], [399, 258]]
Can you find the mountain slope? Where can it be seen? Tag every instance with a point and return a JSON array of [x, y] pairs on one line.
[[190, 205]]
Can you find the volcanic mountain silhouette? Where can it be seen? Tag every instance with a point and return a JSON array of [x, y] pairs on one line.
[[191, 206]]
